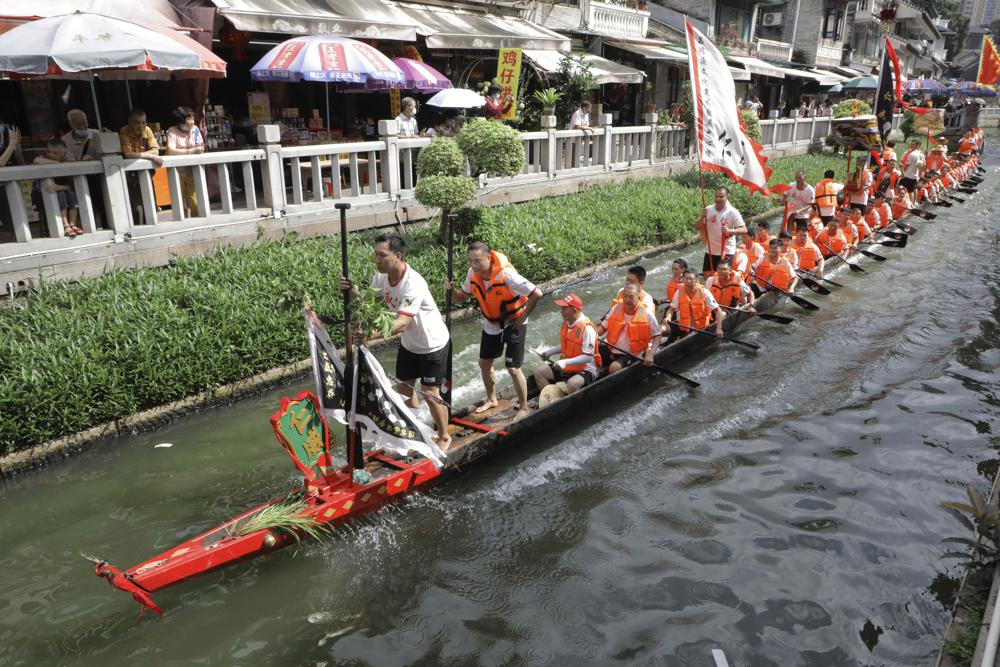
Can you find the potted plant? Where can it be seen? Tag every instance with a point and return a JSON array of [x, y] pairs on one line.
[[548, 98]]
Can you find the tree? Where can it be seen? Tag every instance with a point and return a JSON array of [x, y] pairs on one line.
[[575, 81], [994, 29]]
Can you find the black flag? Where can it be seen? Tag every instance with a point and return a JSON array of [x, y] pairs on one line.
[[884, 97]]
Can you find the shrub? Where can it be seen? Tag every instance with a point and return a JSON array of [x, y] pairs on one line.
[[851, 106], [752, 124], [494, 148], [448, 192], [442, 157]]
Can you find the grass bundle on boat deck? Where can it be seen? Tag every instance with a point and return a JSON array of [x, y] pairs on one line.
[[285, 516]]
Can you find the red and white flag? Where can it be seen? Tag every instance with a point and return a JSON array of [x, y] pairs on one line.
[[722, 144]]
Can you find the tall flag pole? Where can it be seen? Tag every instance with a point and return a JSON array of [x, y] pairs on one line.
[[891, 52], [722, 144], [989, 64]]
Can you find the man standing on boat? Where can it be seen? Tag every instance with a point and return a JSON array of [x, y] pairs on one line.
[[423, 344], [506, 298], [579, 358], [801, 198], [718, 226], [912, 165]]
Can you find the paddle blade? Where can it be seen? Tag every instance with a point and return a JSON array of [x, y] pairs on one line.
[[896, 236], [855, 268], [780, 319], [875, 256], [798, 300], [814, 286], [892, 243]]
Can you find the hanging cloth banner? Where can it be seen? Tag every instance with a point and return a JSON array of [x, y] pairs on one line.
[[884, 98], [989, 64], [378, 410], [723, 146], [891, 52], [509, 78]]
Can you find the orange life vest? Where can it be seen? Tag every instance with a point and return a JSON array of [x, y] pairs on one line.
[[809, 254], [571, 344], [637, 327], [826, 197], [934, 162], [885, 214], [618, 297], [873, 219], [836, 243], [779, 273], [693, 311], [754, 252], [849, 231], [672, 287], [899, 208], [965, 147], [727, 294], [498, 303]]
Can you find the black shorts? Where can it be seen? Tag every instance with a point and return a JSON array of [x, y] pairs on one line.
[[558, 375], [430, 367], [826, 218], [859, 207], [624, 360], [711, 262], [492, 346], [909, 183]]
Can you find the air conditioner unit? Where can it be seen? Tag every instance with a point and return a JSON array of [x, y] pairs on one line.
[[770, 18]]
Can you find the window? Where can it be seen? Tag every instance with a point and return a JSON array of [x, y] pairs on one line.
[[833, 23]]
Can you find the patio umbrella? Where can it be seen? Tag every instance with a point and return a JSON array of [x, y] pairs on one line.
[[835, 88], [78, 45], [421, 76], [924, 86], [972, 89], [860, 83], [329, 59], [457, 98]]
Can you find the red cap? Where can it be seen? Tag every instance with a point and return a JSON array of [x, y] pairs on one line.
[[570, 300]]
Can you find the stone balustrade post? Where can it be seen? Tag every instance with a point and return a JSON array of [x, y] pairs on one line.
[[388, 131], [550, 145], [114, 186], [271, 170], [606, 146], [653, 120]]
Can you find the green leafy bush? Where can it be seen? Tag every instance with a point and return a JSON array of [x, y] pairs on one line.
[[494, 148], [851, 106], [448, 192], [442, 157], [752, 124]]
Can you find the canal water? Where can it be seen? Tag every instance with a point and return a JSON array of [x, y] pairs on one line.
[[788, 512]]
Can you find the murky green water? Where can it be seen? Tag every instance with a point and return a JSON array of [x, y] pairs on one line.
[[788, 513]]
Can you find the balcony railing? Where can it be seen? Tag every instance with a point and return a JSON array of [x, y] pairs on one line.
[[829, 54], [612, 19], [768, 49]]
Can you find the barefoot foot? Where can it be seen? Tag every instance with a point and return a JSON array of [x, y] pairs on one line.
[[487, 406]]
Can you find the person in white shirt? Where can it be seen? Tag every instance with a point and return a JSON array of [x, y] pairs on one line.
[[802, 198], [506, 298], [858, 188], [581, 118], [636, 276], [405, 121], [424, 339], [718, 226], [912, 165], [577, 348]]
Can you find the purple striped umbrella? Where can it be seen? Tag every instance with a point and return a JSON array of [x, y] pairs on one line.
[[421, 76], [924, 86], [972, 89]]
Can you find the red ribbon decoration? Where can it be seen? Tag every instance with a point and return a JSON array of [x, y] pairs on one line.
[[118, 579], [899, 80], [876, 157]]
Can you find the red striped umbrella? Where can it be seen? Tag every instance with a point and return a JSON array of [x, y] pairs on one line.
[[924, 86]]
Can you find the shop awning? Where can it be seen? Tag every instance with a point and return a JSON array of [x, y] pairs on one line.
[[459, 29], [850, 72], [604, 70], [757, 66], [829, 77], [806, 74], [371, 19], [652, 51]]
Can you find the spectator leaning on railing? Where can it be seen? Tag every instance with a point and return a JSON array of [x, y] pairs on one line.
[[62, 186], [185, 138], [138, 142], [80, 144], [405, 121]]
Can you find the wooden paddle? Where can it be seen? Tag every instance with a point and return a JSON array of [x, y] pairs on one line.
[[888, 243], [853, 267], [752, 346], [814, 276], [875, 256], [813, 285], [770, 317], [920, 213], [896, 236], [797, 300], [663, 369], [955, 199]]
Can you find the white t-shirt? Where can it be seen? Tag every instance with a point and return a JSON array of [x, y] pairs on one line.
[[411, 296], [914, 163], [647, 299], [861, 196], [588, 347], [517, 284], [407, 126], [709, 300], [623, 342], [579, 119], [801, 201], [715, 220], [831, 210]]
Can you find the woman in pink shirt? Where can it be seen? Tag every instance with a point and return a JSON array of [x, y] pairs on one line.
[[185, 138]]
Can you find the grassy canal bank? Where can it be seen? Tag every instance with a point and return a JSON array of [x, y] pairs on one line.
[[80, 354]]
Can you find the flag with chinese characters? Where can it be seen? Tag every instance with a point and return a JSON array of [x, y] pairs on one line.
[[722, 144], [379, 412], [885, 98], [989, 64], [303, 433], [509, 78]]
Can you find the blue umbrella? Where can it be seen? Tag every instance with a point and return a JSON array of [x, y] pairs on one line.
[[860, 83]]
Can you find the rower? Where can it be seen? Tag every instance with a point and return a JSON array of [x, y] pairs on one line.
[[857, 188], [810, 257], [679, 266], [754, 252], [885, 217], [826, 195], [636, 276], [889, 152], [729, 289], [872, 218], [506, 298], [423, 341], [695, 307], [801, 198], [787, 251], [936, 160], [862, 232], [831, 241], [763, 236], [718, 226], [579, 358], [901, 204], [912, 166], [847, 228], [775, 269], [888, 177], [631, 326]]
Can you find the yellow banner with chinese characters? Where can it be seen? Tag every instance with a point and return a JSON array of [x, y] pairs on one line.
[[509, 77]]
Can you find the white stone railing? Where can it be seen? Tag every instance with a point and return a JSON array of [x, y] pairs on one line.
[[616, 20]]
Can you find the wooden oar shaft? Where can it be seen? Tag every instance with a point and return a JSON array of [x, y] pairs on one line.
[[752, 346], [663, 369]]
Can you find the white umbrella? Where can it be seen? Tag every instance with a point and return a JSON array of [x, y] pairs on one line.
[[79, 42], [457, 98]]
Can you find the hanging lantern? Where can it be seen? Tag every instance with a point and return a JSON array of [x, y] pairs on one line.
[[236, 40]]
